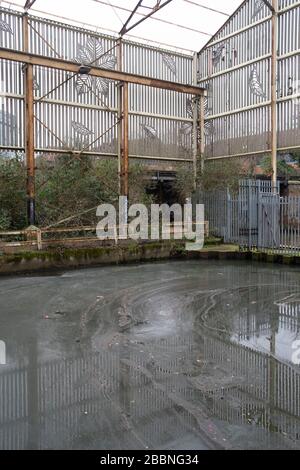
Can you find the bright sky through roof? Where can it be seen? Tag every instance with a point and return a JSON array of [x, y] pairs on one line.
[[108, 17]]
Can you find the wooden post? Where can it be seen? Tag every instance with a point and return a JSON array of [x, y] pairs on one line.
[[274, 92], [29, 127]]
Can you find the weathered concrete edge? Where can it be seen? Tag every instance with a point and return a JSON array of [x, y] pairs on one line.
[[62, 259], [273, 258], [250, 256], [30, 262]]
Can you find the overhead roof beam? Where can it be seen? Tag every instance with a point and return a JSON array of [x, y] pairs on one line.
[[205, 7], [126, 28], [130, 17], [186, 28], [29, 4], [68, 66]]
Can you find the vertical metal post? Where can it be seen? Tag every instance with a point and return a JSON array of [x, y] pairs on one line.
[[274, 91], [195, 123], [124, 159], [120, 111], [29, 127], [125, 156], [202, 131], [123, 147]]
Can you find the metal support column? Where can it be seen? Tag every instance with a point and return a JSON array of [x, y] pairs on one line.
[[125, 143], [202, 132], [123, 114], [274, 91], [29, 127], [195, 133], [120, 101]]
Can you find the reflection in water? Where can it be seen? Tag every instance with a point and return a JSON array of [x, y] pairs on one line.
[[249, 334], [202, 360]]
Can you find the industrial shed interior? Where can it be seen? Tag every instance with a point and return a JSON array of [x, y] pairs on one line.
[[107, 349], [249, 70]]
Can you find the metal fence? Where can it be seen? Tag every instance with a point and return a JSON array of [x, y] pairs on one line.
[[235, 67], [70, 112], [256, 217]]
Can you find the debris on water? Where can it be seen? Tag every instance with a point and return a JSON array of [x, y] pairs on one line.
[[54, 315], [124, 321], [141, 322]]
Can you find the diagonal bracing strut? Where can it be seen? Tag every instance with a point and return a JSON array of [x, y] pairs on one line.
[[159, 5], [29, 4]]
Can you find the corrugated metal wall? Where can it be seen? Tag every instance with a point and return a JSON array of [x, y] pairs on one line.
[[80, 110], [236, 69]]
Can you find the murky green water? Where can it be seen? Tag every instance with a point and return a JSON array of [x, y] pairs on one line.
[[179, 355]]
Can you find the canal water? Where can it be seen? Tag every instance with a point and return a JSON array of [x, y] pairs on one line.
[[174, 355]]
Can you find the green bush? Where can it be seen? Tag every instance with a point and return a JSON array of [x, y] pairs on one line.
[[283, 169], [12, 193], [67, 185], [184, 182], [5, 220], [222, 174], [72, 185]]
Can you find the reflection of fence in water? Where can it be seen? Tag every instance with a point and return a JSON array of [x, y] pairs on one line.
[[103, 385], [289, 316], [264, 385], [239, 409], [253, 324]]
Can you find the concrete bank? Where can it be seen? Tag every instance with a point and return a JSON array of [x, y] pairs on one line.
[[232, 252], [106, 254], [84, 257], [66, 258]]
